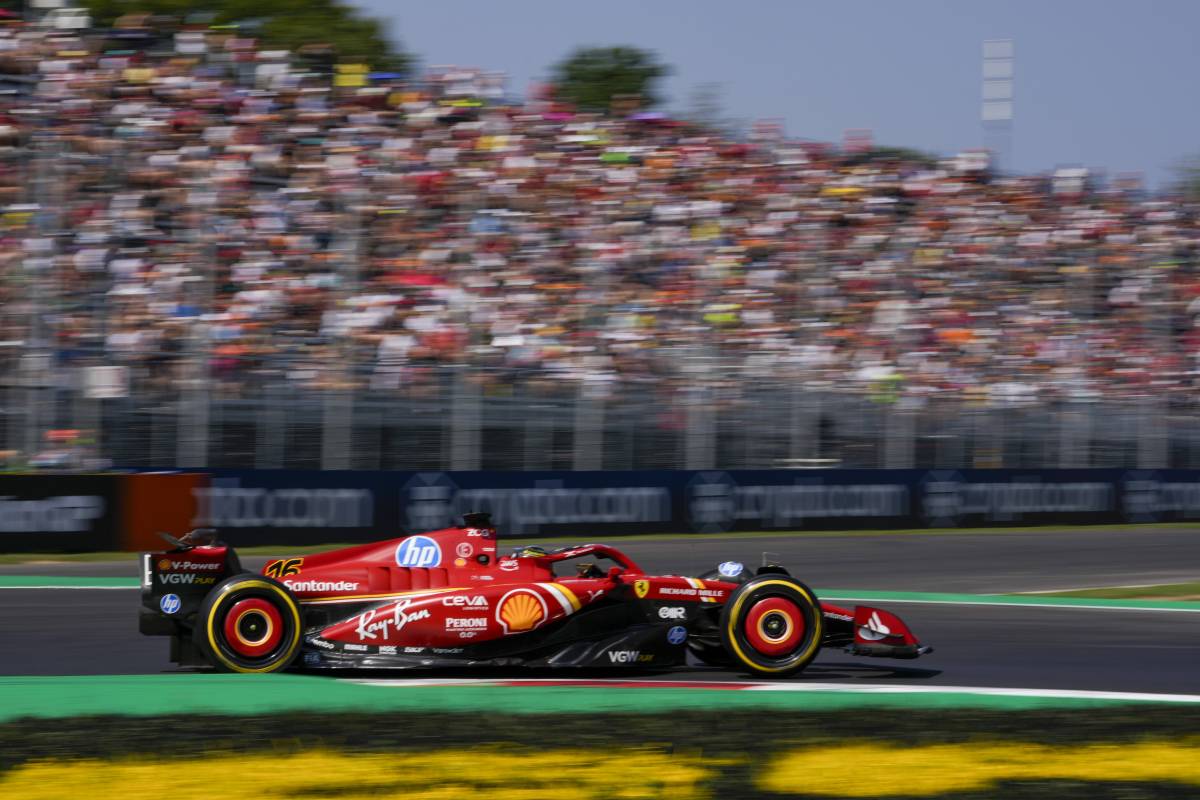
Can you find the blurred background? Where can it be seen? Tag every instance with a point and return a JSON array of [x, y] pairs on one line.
[[481, 249], [256, 236]]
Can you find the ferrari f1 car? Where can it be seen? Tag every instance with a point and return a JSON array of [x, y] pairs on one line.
[[448, 598]]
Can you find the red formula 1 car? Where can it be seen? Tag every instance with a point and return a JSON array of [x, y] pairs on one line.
[[448, 598]]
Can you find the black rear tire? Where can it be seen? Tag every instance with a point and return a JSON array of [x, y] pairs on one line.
[[249, 623]]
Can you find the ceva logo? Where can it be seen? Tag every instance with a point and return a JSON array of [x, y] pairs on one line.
[[418, 551]]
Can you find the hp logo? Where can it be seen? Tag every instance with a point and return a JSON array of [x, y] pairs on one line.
[[418, 551], [169, 603], [730, 569], [677, 635]]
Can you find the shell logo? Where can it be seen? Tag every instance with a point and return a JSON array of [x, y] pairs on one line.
[[521, 610], [164, 564]]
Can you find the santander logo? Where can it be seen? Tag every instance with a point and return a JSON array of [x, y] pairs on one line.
[[874, 630]]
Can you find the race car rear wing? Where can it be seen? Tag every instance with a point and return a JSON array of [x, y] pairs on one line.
[[175, 581]]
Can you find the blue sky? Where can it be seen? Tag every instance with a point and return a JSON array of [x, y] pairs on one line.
[[1105, 84]]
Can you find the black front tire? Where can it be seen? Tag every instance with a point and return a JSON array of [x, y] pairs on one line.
[[772, 625]]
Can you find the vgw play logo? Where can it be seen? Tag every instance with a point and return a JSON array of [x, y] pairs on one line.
[[418, 551]]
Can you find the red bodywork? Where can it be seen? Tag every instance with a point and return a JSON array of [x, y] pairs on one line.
[[448, 588], [450, 598]]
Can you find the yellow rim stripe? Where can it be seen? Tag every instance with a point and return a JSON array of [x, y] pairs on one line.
[[813, 645], [237, 630], [292, 608], [775, 639]]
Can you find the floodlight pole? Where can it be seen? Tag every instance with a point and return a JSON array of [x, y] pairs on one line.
[[996, 109]]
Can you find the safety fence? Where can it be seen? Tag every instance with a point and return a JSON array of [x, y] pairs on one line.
[[471, 419], [294, 507]]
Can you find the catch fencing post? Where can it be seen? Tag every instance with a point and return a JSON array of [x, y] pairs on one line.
[[537, 433], [33, 376], [336, 420], [194, 410], [466, 418], [270, 426], [1074, 435], [804, 429], [195, 395], [588, 441], [14, 416], [900, 428], [699, 444], [1151, 433]]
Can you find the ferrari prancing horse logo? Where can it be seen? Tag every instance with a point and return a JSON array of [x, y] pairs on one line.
[[641, 588]]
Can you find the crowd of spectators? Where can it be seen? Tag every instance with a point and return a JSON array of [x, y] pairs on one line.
[[196, 200]]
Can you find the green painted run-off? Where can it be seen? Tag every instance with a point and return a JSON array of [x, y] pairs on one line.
[[153, 695], [75, 581]]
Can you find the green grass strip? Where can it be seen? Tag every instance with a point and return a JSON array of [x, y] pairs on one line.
[[1163, 591], [75, 581], [200, 693]]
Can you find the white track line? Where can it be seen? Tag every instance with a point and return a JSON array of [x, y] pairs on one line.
[[1099, 588], [992, 691], [807, 686]]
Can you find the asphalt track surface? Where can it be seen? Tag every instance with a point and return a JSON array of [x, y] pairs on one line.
[[92, 631]]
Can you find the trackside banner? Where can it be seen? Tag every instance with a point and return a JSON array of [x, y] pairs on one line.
[[285, 506], [57, 512], [48, 512]]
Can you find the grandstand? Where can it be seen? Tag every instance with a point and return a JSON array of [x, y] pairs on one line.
[[218, 256]]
